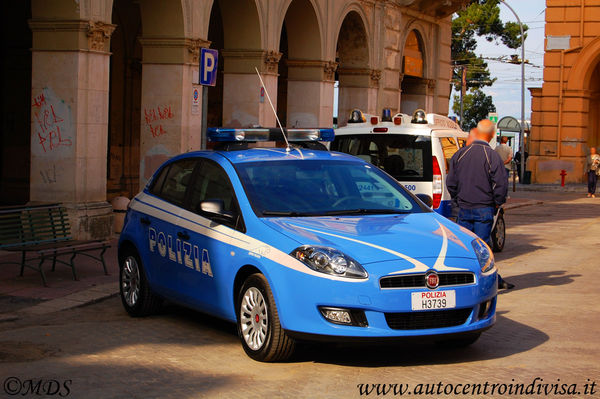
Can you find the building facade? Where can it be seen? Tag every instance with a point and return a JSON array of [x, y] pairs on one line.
[[566, 109], [97, 93]]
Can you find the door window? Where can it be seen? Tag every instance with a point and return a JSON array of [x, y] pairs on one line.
[[212, 183], [172, 182]]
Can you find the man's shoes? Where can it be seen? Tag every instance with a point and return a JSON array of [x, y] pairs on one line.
[[504, 285]]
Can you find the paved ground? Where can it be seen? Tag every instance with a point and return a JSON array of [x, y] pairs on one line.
[[547, 327]]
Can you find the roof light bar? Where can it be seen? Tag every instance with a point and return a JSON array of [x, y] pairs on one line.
[[220, 134]]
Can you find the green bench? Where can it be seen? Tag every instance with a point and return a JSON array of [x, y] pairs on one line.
[[43, 232]]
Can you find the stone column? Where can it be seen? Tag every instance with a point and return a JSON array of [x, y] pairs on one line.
[[358, 89], [170, 120], [310, 93], [69, 121], [390, 32], [430, 98], [243, 104]]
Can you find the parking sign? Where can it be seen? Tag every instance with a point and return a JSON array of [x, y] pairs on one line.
[[208, 66]]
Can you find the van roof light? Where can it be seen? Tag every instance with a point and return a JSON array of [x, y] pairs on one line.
[[386, 115], [420, 117], [356, 116]]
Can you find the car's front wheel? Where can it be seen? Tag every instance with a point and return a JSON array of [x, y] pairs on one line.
[[258, 324], [136, 295]]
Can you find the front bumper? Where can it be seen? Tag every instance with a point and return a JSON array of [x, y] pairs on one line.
[[299, 297]]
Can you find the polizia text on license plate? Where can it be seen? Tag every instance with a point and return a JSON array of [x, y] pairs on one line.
[[433, 300]]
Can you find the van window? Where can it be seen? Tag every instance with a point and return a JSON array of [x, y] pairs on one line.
[[449, 148], [405, 157]]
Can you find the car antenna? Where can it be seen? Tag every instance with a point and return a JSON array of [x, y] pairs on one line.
[[287, 148]]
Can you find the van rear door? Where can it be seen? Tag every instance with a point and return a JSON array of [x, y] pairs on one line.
[[445, 144]]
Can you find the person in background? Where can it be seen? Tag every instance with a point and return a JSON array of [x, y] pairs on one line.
[[478, 181], [518, 162], [593, 168], [505, 152]]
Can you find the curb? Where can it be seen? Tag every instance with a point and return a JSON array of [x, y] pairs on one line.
[[552, 188], [522, 204], [78, 299]]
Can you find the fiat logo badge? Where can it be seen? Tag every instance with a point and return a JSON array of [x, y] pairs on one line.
[[432, 280]]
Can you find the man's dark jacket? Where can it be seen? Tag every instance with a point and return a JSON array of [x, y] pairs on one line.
[[477, 177]]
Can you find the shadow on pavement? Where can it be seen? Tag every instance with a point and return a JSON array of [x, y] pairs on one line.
[[506, 338], [539, 279], [517, 245]]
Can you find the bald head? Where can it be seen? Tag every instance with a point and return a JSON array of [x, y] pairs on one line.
[[485, 130]]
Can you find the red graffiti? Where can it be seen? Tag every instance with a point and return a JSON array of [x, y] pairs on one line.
[[49, 125], [158, 114]]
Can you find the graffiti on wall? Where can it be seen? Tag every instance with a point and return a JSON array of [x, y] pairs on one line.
[[51, 121], [49, 175], [154, 118]]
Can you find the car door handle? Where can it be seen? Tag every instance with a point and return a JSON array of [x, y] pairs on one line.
[[183, 235], [145, 221]]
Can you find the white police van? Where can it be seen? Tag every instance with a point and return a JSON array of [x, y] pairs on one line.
[[415, 150]]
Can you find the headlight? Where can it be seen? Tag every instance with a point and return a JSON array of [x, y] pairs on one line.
[[329, 261], [484, 255]]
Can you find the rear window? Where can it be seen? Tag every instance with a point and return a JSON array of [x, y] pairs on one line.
[[405, 157]]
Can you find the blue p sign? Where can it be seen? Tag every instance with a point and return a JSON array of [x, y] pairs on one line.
[[208, 66]]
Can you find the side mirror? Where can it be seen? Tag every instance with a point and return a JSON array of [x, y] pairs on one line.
[[426, 199], [215, 209]]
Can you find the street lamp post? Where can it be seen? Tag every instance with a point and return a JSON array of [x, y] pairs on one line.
[[522, 90]]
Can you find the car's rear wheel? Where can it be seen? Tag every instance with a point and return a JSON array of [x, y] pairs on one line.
[[461, 342], [499, 234], [136, 294], [258, 324]]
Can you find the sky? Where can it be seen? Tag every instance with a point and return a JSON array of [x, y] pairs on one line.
[[506, 91]]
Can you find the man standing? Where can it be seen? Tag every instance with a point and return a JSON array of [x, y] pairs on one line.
[[505, 152], [479, 183]]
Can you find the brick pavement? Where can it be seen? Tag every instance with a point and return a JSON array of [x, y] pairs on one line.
[[547, 327]]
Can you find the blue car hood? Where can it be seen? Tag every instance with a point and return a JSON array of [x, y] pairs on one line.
[[423, 239]]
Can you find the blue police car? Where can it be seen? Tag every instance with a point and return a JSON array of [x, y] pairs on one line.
[[301, 243]]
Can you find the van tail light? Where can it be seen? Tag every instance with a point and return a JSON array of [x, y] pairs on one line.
[[437, 183]]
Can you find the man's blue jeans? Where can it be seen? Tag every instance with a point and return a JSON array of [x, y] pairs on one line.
[[478, 220]]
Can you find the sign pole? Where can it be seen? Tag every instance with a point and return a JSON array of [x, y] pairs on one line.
[[204, 124]]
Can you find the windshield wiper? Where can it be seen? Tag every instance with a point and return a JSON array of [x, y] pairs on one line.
[[286, 213], [365, 212]]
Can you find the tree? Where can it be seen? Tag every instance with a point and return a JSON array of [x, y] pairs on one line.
[[481, 18], [477, 106]]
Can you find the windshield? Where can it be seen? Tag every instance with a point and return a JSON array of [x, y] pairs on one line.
[[406, 157], [317, 188]]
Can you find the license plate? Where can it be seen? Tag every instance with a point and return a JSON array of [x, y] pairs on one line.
[[433, 300]]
